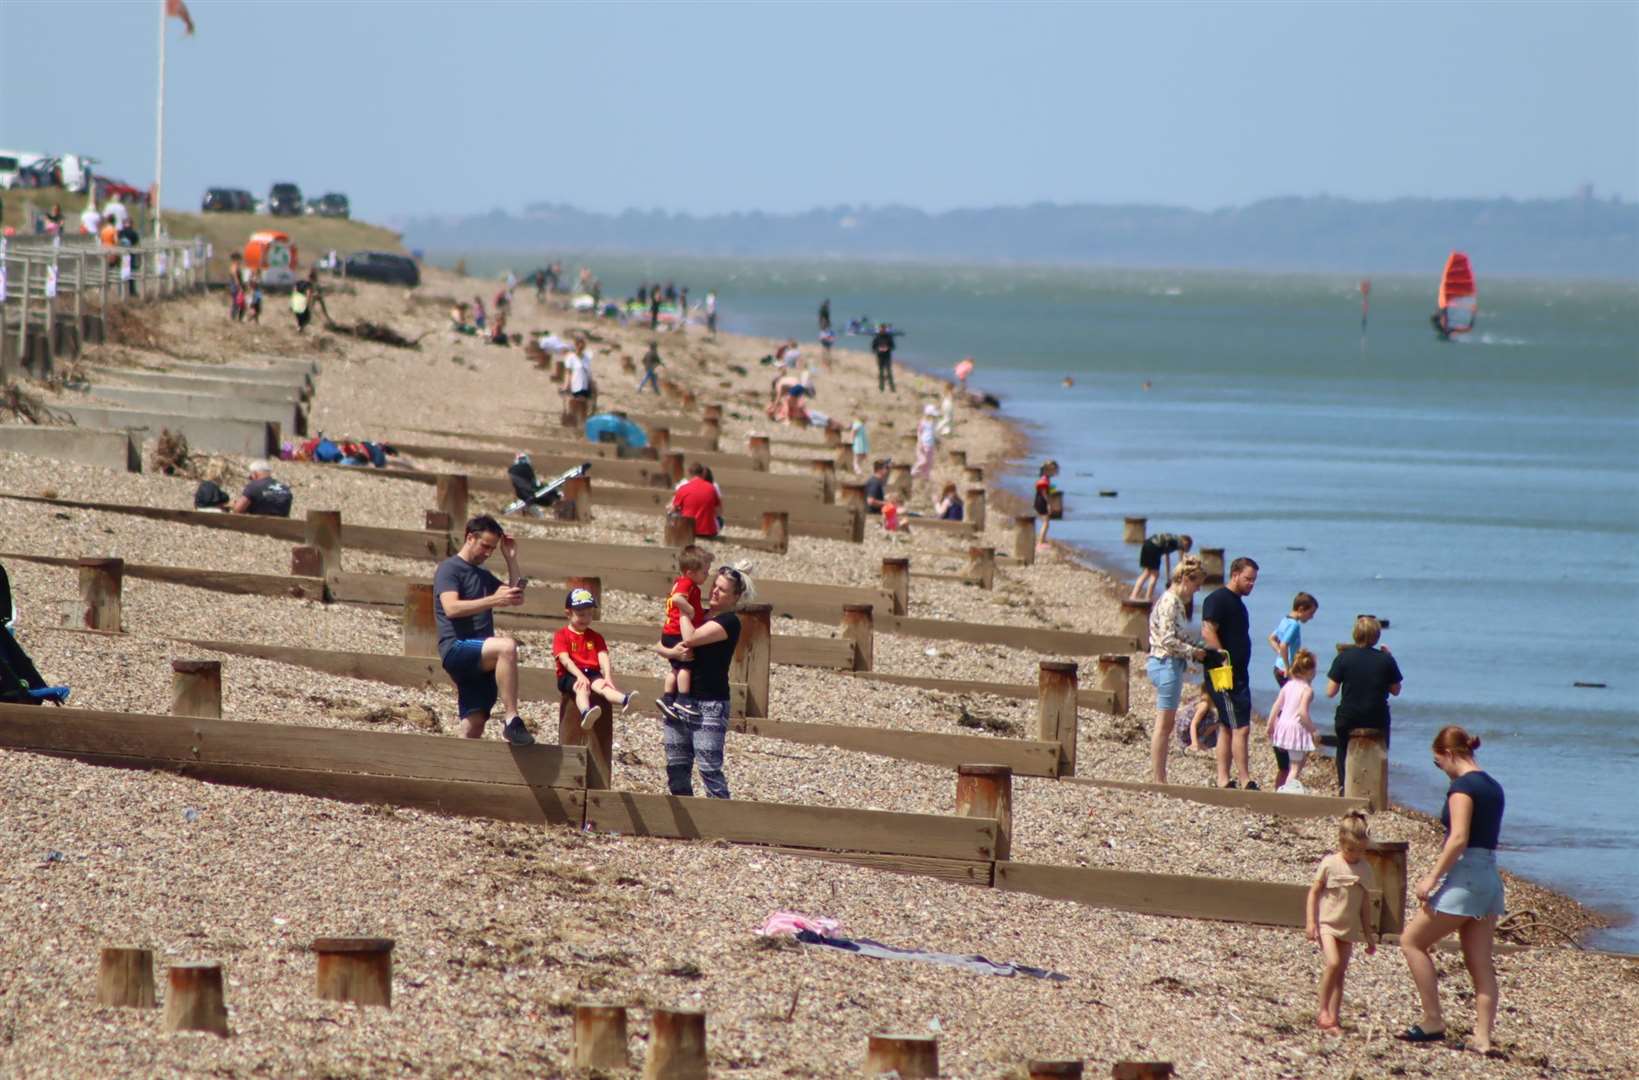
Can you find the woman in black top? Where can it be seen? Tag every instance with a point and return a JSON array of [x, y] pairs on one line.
[[711, 647], [1462, 892], [1367, 676]]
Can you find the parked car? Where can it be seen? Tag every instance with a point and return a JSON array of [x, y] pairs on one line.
[[383, 266], [12, 162], [221, 200], [108, 187], [40, 174], [331, 204], [284, 199], [243, 201]]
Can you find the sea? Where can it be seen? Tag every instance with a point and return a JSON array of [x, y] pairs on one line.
[[1480, 495]]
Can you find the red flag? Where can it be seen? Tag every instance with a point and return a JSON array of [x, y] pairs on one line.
[[179, 10]]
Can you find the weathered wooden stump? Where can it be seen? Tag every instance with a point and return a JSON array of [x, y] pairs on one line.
[[1054, 1070], [324, 533], [306, 561], [196, 688], [125, 978], [1135, 620], [1212, 565], [599, 741], [1115, 675], [899, 480], [1024, 539], [859, 627], [751, 655], [957, 457], [712, 431], [100, 584], [577, 498], [439, 521], [600, 1037], [975, 508], [851, 493], [833, 436], [661, 439], [1133, 530], [1056, 711], [981, 566], [973, 474], [679, 531], [451, 496], [896, 582], [760, 450], [419, 624], [672, 461], [1141, 1070], [908, 1056], [356, 969], [194, 999], [677, 1046], [777, 530], [986, 791], [1366, 772], [826, 470], [1387, 859]]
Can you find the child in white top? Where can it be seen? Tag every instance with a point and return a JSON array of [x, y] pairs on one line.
[[1291, 731], [1338, 913]]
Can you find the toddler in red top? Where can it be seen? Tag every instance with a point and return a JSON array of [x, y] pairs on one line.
[[583, 661], [683, 614]]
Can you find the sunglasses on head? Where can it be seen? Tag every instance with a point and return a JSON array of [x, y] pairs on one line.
[[733, 573]]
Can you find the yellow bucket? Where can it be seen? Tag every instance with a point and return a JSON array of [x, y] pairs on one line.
[[1223, 678]]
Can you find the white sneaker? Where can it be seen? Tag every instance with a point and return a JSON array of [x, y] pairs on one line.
[[1293, 787]]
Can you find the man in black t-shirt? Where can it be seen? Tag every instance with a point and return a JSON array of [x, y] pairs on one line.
[[882, 345], [876, 492], [263, 494], [483, 667], [1225, 625]]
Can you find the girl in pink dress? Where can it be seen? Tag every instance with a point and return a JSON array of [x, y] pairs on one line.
[[1291, 731]]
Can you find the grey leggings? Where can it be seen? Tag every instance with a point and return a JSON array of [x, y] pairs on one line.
[[691, 743]]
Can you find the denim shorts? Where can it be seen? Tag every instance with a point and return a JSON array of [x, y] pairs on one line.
[[1472, 887], [475, 688], [1168, 677]]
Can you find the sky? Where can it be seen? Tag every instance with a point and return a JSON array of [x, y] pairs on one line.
[[440, 107]]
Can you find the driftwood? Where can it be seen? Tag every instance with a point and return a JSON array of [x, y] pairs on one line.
[[376, 332]]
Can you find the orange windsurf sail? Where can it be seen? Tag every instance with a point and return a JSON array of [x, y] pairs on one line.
[[1459, 300]]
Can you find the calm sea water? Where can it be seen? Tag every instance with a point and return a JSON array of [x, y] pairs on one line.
[[1481, 495]]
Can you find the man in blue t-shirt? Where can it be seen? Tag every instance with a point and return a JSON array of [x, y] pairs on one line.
[[465, 595], [1226, 625]]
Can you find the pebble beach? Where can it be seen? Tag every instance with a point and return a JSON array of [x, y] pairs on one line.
[[500, 929]]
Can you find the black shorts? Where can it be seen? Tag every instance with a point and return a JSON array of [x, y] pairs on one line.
[[669, 640], [1282, 758], [1149, 557], [581, 393], [566, 682]]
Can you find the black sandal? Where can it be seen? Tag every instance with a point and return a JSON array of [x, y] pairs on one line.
[[1416, 1034]]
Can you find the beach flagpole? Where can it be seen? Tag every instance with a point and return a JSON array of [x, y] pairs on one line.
[[159, 120]]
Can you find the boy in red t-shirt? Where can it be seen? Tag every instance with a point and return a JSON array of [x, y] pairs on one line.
[[683, 614], [583, 661]]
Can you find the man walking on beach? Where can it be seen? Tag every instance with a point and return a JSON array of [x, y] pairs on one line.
[[1225, 625], [465, 595], [882, 345]]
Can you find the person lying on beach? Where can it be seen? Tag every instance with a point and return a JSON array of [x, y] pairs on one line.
[[1336, 914], [583, 661]]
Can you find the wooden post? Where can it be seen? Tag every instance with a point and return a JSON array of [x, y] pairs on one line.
[[973, 474], [419, 626], [712, 430], [125, 978], [440, 521], [981, 566], [905, 1056], [577, 498], [324, 532], [896, 582], [627, 364], [826, 470], [1366, 772], [452, 496], [100, 581], [679, 531], [673, 462], [1055, 505], [306, 561], [976, 507], [1024, 539], [856, 526], [356, 969], [851, 493], [1056, 711], [751, 654], [833, 436], [1133, 530], [777, 530], [600, 1038], [958, 457], [1141, 1070], [1212, 563], [1135, 620], [688, 398], [859, 627], [899, 480], [986, 791], [1387, 859], [760, 451], [194, 1001], [712, 412], [1054, 1070], [661, 439], [593, 585], [196, 688], [599, 742], [1115, 675], [677, 1045]]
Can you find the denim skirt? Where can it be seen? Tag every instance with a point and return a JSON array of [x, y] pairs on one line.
[[1168, 676], [1472, 887]]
